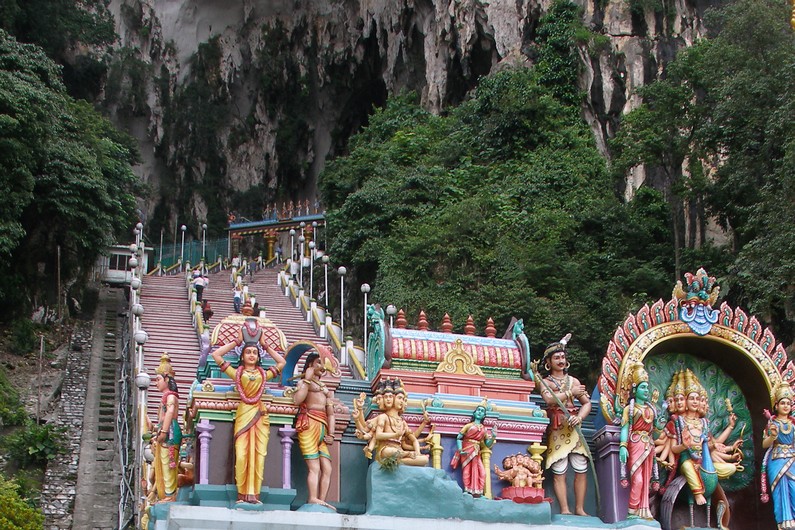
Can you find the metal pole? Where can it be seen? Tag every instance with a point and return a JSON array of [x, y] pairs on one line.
[[182, 250], [342, 271], [311, 269], [59, 281], [41, 360], [301, 240], [325, 275]]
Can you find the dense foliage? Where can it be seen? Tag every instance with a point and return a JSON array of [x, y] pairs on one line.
[[15, 512], [725, 110], [502, 208], [71, 33], [65, 177]]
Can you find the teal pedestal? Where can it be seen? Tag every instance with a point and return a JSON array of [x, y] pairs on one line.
[[428, 493]]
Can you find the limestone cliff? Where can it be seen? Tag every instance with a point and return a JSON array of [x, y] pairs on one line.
[[256, 95]]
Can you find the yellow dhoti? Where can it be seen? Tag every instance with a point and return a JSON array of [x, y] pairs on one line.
[[312, 427], [165, 465]]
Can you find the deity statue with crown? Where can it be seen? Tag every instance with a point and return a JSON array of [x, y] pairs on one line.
[[471, 440], [168, 435], [777, 467], [703, 459], [389, 438], [637, 451]]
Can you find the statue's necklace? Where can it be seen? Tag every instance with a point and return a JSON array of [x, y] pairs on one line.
[[786, 427]]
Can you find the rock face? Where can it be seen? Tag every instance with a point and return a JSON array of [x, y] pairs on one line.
[[256, 95]]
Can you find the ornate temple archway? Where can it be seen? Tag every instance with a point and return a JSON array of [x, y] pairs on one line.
[[741, 359]]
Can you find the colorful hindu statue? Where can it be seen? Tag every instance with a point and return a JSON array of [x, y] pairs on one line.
[[252, 424], [777, 466], [568, 404], [314, 424], [168, 435], [637, 451], [471, 440], [389, 438], [695, 445]]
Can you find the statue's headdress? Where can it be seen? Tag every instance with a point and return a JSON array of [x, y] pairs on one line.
[[691, 383], [782, 391], [555, 347], [639, 374], [165, 367]]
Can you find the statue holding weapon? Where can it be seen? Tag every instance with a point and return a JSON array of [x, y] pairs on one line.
[[568, 404]]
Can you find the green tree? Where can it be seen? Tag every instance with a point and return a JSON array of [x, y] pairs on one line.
[[504, 207], [69, 32], [725, 109], [66, 177], [15, 512]]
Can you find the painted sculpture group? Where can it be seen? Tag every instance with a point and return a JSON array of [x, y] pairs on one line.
[[680, 433]]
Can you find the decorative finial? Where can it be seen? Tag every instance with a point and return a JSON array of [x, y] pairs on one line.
[[469, 329], [447, 324], [491, 331]]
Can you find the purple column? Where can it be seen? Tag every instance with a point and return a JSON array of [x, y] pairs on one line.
[[205, 429], [615, 499], [287, 434]]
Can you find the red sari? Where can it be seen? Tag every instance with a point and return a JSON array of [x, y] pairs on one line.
[[641, 458], [473, 472]]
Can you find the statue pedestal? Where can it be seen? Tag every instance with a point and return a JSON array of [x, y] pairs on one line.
[[615, 498]]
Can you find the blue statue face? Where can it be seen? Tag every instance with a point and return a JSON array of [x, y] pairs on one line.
[[642, 392], [480, 413]]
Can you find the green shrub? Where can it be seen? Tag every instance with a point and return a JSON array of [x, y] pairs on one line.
[[15, 511], [36, 444], [23, 336], [11, 411]]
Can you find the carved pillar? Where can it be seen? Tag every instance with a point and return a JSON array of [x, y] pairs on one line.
[[615, 499], [205, 429], [436, 452], [286, 434], [485, 455], [270, 239]]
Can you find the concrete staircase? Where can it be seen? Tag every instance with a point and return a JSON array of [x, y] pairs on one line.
[[168, 322], [278, 308]]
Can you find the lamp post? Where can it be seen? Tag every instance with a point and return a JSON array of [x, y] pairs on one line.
[[365, 290], [204, 242], [292, 245], [301, 240], [325, 259], [182, 249], [342, 271], [391, 311], [311, 269], [314, 230]]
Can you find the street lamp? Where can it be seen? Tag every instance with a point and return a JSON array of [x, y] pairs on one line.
[[342, 271], [301, 240], [314, 230], [204, 242], [365, 290], [292, 245], [182, 249], [391, 311], [325, 259], [311, 269]]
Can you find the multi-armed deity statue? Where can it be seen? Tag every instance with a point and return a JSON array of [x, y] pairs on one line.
[[389, 438]]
